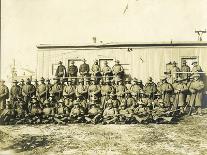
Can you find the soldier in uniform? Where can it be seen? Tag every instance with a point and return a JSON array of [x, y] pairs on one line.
[[69, 94], [173, 70], [81, 89], [196, 88], [196, 67], [185, 68], [106, 70], [96, 70], [56, 89], [28, 90], [4, 94], [94, 89], [15, 93], [179, 91], [150, 88], [118, 70], [110, 114], [136, 89], [125, 114], [166, 90], [42, 90], [21, 84], [84, 69], [47, 113], [76, 113], [61, 70], [73, 70], [7, 115], [105, 92], [113, 99], [128, 84], [120, 89]]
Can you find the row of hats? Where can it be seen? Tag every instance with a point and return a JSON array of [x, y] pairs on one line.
[[84, 60], [184, 62]]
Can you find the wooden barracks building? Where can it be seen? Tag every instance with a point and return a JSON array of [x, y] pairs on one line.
[[141, 60]]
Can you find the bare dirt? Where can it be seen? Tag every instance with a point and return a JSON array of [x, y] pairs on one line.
[[189, 136]]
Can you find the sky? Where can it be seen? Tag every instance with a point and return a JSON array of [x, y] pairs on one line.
[[27, 23]]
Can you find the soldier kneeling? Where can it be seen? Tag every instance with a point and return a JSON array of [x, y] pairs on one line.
[[36, 112]]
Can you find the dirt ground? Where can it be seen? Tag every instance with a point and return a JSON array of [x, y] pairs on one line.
[[189, 136]]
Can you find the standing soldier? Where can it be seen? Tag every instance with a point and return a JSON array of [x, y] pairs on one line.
[[150, 88], [73, 70], [196, 67], [174, 71], [42, 90], [136, 89], [96, 71], [118, 70], [15, 93], [61, 70], [185, 68], [106, 70], [56, 89], [120, 89], [196, 88], [28, 91], [84, 69], [4, 94], [21, 84], [166, 91], [179, 90]]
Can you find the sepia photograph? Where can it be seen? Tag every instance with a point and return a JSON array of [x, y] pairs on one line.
[[103, 77]]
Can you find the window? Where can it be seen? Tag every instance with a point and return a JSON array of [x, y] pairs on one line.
[[189, 60]]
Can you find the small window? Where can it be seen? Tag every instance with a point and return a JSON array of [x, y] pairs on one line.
[[189, 60]]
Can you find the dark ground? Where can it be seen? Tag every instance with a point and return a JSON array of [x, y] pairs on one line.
[[189, 136]]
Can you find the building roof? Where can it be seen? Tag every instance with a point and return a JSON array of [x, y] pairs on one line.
[[125, 45]]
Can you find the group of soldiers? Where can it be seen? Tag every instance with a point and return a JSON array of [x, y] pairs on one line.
[[101, 96]]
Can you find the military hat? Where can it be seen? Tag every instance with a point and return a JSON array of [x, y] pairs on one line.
[[35, 80], [174, 62], [42, 79], [22, 80], [105, 62], [60, 62], [46, 101], [117, 61], [56, 78], [194, 62], [15, 81], [184, 61], [96, 60], [150, 78], [28, 80], [84, 60], [139, 81], [72, 61], [195, 75], [135, 80]]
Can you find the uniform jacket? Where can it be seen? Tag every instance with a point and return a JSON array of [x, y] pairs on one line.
[[15, 91], [179, 91], [117, 69], [4, 94], [84, 68], [72, 70], [61, 71], [185, 68], [106, 69], [166, 90]]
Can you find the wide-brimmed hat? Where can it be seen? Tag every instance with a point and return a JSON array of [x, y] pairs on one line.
[[72, 61], [15, 81], [60, 62], [194, 62], [117, 61], [184, 61], [42, 79], [28, 80], [22, 80], [84, 60], [150, 78], [174, 62], [195, 75]]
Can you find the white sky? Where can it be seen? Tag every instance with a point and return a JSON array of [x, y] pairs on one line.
[[26, 23]]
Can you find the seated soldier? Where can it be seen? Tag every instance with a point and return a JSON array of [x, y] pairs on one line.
[[125, 114], [20, 113], [94, 113], [77, 113], [53, 102], [47, 113], [61, 117], [36, 112], [142, 114], [113, 99], [8, 115], [82, 102], [110, 114], [162, 114]]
